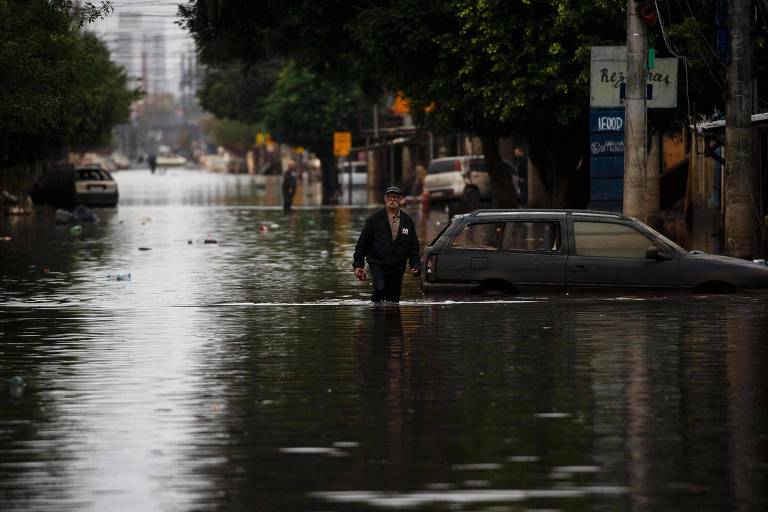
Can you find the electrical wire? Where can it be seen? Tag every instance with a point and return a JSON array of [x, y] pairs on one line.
[[670, 47]]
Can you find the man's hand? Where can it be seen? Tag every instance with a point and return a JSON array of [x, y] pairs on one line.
[[360, 274], [415, 272]]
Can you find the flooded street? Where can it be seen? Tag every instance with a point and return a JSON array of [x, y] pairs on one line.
[[251, 374]]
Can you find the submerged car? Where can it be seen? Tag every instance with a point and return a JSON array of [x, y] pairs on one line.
[[67, 187], [513, 251]]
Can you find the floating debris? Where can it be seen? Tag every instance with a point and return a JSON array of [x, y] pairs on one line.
[[76, 229], [16, 386], [145, 248], [119, 276], [324, 253]]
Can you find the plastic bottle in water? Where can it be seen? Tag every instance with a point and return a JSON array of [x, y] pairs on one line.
[[120, 276]]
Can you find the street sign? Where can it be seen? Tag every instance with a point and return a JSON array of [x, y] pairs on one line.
[[342, 143], [608, 73]]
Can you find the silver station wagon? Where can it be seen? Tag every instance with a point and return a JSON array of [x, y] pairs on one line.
[[511, 251]]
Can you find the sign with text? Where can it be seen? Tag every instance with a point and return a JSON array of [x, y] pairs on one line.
[[606, 152], [608, 72], [342, 143]]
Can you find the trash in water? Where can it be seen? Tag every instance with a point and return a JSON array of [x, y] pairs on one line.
[[210, 241], [145, 248], [84, 214], [119, 276], [5, 239], [324, 253], [63, 217], [274, 225], [760, 262], [263, 228], [16, 386], [76, 229], [189, 242], [144, 220]]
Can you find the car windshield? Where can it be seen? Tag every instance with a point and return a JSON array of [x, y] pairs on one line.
[[434, 241]]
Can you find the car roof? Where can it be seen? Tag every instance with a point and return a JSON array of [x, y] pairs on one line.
[[512, 213], [451, 158]]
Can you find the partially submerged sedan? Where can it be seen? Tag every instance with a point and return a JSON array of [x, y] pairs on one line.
[[514, 251], [68, 186]]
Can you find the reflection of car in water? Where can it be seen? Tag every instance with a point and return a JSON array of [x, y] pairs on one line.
[[67, 187], [547, 250], [356, 172]]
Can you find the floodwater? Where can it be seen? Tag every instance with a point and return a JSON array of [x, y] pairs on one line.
[[251, 374]]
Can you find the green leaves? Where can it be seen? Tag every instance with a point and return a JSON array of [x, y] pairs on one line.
[[58, 87]]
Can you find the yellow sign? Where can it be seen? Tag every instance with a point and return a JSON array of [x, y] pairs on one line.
[[342, 143]]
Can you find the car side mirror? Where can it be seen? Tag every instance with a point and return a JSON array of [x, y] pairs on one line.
[[654, 253]]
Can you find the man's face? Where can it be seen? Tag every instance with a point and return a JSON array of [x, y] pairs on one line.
[[392, 200]]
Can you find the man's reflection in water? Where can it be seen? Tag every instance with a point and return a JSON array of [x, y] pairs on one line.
[[383, 360]]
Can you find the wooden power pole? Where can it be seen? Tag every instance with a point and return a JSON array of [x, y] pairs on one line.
[[740, 209], [635, 110]]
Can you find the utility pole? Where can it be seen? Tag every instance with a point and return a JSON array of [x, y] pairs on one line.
[[635, 110], [740, 209]]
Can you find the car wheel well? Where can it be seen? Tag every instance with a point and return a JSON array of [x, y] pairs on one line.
[[715, 287], [496, 287]]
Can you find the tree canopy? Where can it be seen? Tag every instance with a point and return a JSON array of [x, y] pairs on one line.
[[58, 87], [490, 67]]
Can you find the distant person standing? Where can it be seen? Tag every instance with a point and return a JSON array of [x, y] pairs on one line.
[[388, 241], [152, 161], [289, 187]]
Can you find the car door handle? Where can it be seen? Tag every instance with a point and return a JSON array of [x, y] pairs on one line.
[[578, 268]]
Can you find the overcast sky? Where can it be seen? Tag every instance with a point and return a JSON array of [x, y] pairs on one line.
[[158, 17]]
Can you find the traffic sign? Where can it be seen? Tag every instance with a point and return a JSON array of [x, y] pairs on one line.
[[342, 143]]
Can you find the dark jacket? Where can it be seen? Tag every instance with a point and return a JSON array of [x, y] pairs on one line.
[[376, 245], [289, 183]]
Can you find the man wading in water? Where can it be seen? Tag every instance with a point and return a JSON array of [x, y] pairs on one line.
[[388, 241]]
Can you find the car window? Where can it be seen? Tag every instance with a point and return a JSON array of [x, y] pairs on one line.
[[477, 164], [531, 236], [480, 236], [91, 175], [609, 240], [440, 166]]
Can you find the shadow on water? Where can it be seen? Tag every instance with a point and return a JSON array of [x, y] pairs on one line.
[[252, 374]]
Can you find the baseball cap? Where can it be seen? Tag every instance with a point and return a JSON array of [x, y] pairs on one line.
[[393, 190]]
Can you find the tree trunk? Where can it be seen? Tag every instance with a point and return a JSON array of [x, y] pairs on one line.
[[740, 209], [324, 153], [503, 191], [558, 175]]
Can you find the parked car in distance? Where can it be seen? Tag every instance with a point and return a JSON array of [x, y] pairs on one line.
[[68, 186], [460, 179], [513, 251], [354, 172], [457, 178]]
